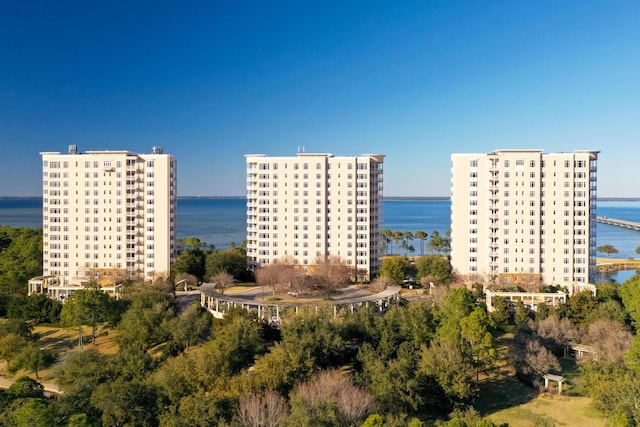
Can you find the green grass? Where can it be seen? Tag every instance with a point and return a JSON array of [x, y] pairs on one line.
[[505, 399]]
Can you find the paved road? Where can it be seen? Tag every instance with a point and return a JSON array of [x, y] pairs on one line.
[[184, 299], [50, 388]]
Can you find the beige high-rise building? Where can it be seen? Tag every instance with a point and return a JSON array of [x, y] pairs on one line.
[[108, 214], [524, 217], [315, 205]]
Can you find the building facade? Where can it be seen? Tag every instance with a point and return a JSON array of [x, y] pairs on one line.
[[312, 206], [524, 218], [108, 215]]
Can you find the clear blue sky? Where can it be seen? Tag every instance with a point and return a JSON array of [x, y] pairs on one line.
[[211, 81]]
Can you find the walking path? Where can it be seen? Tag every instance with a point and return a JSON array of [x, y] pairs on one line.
[[49, 388]]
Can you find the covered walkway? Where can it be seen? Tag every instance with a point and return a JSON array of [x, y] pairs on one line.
[[218, 304]]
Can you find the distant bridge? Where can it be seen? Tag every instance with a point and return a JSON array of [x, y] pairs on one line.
[[619, 223]]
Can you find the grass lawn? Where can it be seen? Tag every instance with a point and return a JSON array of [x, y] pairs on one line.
[[65, 340], [504, 399], [551, 411]]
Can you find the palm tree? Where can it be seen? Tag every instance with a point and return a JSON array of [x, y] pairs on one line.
[[436, 242], [397, 237], [406, 242], [422, 236], [386, 238]]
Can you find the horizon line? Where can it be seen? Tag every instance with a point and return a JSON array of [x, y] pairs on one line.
[[604, 198]]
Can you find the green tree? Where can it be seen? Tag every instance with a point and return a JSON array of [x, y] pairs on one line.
[[20, 260], [632, 357], [317, 334], [25, 387], [630, 294], [580, 307], [456, 305], [37, 308], [191, 261], [233, 261], [435, 267], [478, 341], [542, 312], [17, 327], [78, 376], [521, 315], [88, 307], [392, 382], [395, 268], [615, 390], [191, 243], [500, 316], [34, 413], [125, 403], [11, 349], [148, 318], [192, 326], [607, 250], [33, 358], [450, 371], [81, 420]]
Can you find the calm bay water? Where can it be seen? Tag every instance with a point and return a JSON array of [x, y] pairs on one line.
[[219, 221]]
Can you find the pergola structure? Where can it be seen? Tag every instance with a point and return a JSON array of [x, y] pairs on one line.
[[218, 304], [55, 288], [551, 377], [531, 298]]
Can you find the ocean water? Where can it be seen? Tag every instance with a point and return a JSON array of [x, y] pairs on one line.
[[220, 221]]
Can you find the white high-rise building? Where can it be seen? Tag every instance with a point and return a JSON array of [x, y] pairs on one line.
[[524, 217], [108, 214], [313, 206]]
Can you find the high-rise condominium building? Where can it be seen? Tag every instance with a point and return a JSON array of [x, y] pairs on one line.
[[108, 214], [313, 206], [524, 217]]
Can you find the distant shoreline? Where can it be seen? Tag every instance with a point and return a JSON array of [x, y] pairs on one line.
[[394, 198]]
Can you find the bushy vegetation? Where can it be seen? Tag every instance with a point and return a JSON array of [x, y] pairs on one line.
[[319, 370], [420, 360], [20, 260]]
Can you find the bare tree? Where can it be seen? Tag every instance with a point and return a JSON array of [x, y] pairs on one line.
[[609, 338], [221, 280], [381, 283], [261, 411], [530, 357], [185, 280], [333, 389], [555, 332], [331, 272], [279, 275]]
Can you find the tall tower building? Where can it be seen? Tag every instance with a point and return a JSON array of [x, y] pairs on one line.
[[312, 206], [108, 214], [524, 217]]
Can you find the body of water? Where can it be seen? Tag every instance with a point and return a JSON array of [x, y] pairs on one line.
[[219, 221]]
